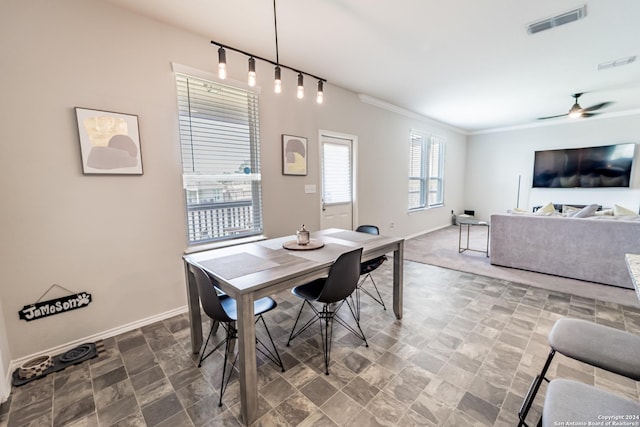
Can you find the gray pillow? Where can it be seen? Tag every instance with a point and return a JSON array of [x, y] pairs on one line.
[[586, 212]]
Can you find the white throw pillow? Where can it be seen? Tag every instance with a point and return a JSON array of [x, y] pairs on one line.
[[548, 209], [622, 211]]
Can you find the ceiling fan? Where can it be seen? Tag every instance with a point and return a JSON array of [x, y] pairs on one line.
[[577, 111]]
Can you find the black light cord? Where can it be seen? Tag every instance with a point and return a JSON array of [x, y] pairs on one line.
[[277, 63]]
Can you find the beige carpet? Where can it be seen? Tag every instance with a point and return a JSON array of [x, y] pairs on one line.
[[440, 248]]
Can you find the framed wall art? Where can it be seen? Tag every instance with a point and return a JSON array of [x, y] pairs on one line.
[[109, 142], [294, 155]]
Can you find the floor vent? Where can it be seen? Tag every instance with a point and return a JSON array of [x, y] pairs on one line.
[[556, 21]]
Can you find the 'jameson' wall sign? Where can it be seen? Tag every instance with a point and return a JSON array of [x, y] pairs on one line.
[[42, 309]]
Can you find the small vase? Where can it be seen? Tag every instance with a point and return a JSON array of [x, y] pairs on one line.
[[302, 236]]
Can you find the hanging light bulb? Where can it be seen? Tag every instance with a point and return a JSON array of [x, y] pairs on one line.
[[222, 63], [252, 72], [277, 84], [320, 96], [300, 92]]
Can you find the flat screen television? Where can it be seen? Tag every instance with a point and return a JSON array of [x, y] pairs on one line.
[[604, 166]]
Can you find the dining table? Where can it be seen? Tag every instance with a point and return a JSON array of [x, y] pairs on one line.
[[249, 271]]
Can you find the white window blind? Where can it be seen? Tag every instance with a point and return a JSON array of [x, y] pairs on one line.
[[336, 176], [220, 159], [436, 166], [426, 160]]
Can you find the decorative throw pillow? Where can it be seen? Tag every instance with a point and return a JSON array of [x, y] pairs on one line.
[[586, 212], [605, 212], [621, 211], [548, 209], [569, 210]]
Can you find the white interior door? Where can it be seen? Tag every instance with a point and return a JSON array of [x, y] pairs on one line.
[[338, 183]]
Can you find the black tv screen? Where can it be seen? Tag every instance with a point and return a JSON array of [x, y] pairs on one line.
[[605, 166]]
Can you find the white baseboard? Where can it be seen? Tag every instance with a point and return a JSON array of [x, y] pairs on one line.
[[96, 337]]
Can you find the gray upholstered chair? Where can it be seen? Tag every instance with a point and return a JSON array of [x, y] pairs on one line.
[[601, 346], [570, 401]]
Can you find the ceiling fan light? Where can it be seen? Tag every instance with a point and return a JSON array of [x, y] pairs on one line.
[[575, 111]]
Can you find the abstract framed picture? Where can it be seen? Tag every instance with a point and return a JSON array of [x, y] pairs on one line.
[[109, 142], [294, 155]]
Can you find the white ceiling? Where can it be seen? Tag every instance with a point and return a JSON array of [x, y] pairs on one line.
[[468, 63]]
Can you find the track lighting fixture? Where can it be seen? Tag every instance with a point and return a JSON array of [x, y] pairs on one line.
[[251, 77], [222, 63], [300, 91]]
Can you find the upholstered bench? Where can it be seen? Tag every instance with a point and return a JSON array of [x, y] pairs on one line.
[[601, 346], [569, 402]]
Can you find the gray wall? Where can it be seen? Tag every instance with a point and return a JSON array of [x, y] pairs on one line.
[[495, 160], [121, 238]]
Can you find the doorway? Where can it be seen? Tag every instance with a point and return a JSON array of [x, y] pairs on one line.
[[337, 177]]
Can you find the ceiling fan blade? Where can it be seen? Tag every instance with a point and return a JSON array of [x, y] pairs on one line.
[[597, 106], [589, 114], [552, 117]]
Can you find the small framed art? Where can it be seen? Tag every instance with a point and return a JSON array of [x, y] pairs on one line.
[[294, 155], [109, 142]]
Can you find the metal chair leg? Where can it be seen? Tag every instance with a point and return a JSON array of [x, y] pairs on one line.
[[533, 390], [294, 334], [379, 299], [274, 356], [326, 335]]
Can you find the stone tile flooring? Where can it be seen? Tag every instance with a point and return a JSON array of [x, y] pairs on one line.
[[464, 354]]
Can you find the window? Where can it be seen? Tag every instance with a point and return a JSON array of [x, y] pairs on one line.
[[426, 160], [220, 159], [336, 173]]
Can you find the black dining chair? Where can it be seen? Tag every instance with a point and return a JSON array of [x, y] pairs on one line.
[[366, 268], [331, 292], [222, 309]]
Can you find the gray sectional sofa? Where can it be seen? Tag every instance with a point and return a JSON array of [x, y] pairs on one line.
[[591, 249]]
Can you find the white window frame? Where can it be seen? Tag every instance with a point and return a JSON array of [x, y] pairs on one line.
[[226, 219], [426, 168]]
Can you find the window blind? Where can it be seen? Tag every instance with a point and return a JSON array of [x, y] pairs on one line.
[[219, 140], [336, 176]]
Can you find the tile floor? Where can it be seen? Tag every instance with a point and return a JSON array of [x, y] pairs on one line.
[[463, 355]]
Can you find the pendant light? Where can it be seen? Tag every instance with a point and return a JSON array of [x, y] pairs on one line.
[[300, 90], [222, 63], [251, 75]]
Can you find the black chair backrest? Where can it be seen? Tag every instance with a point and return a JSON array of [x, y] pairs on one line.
[[208, 295], [371, 229], [343, 277]]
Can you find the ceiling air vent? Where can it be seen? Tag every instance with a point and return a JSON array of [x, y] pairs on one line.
[[556, 21]]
